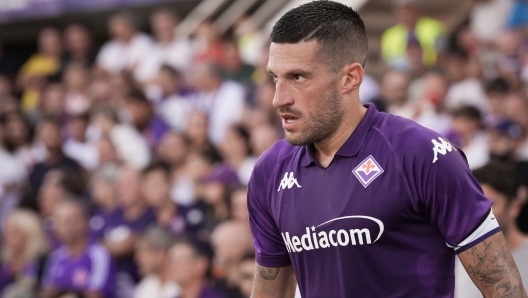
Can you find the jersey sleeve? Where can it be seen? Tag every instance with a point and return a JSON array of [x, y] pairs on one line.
[[270, 250], [443, 187], [101, 273]]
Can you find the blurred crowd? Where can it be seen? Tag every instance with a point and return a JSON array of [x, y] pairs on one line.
[[123, 169]]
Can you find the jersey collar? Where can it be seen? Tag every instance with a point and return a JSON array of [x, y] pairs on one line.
[[352, 145]]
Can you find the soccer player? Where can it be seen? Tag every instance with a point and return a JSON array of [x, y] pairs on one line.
[[358, 203]]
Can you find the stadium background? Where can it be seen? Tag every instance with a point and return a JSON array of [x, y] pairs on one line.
[[99, 96]]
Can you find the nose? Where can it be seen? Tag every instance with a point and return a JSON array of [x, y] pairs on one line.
[[282, 96]]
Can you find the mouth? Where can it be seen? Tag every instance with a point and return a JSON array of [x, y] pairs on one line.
[[288, 121]]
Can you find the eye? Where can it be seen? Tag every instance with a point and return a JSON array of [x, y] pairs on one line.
[[299, 78]]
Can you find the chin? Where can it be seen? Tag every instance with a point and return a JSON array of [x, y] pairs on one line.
[[295, 140]]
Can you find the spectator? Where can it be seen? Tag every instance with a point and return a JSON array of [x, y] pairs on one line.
[[24, 245], [502, 141], [155, 187], [126, 49], [431, 111], [190, 265], [233, 68], [152, 249], [130, 146], [426, 32], [246, 274], [78, 45], [76, 80], [143, 118], [467, 133], [46, 62], [77, 146], [516, 109], [231, 241], [77, 266], [169, 49], [52, 102], [19, 135], [499, 184], [172, 104], [208, 43], [50, 135], [262, 138], [465, 88], [222, 101], [394, 95], [496, 92], [197, 130], [236, 151], [104, 197], [239, 209]]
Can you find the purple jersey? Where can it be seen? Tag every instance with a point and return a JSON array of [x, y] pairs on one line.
[[384, 219], [91, 271]]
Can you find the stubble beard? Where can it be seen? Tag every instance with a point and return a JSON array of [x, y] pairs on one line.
[[321, 125]]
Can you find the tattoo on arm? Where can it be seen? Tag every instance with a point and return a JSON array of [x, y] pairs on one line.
[[268, 273], [491, 266]]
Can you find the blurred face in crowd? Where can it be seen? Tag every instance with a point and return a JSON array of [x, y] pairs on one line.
[[232, 59], [140, 113], [50, 135], [78, 40], [121, 29], [106, 151], [155, 187], [516, 108], [184, 265], [163, 25], [306, 95], [168, 82], [149, 259], [465, 126], [207, 34], [50, 192], [214, 192], [102, 191], [17, 131], [246, 274], [205, 78], [52, 102], [264, 96], [76, 78], [15, 238], [70, 222], [394, 87], [239, 209], [500, 144], [234, 146], [508, 43], [50, 43], [77, 128], [128, 190], [262, 138], [197, 127], [231, 241], [435, 87], [173, 149]]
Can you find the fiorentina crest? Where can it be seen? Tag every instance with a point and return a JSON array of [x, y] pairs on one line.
[[367, 171]]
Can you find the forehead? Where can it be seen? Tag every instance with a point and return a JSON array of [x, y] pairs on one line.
[[285, 57]]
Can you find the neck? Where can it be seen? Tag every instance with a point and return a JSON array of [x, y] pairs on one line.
[[165, 211], [193, 289], [514, 237], [326, 149], [78, 246]]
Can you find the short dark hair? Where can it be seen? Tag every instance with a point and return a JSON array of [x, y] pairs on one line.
[[498, 86], [337, 28], [157, 165], [201, 249], [500, 177], [467, 111]]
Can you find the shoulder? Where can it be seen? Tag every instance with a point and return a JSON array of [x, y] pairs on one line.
[[98, 253], [58, 255], [406, 138], [427, 21]]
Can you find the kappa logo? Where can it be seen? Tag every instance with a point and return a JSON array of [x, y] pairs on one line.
[[367, 171], [288, 182], [443, 147]]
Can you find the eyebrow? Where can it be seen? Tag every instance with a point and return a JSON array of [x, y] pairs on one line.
[[293, 72]]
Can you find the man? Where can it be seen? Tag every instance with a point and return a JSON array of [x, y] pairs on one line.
[[499, 184], [77, 266], [189, 266], [152, 250], [355, 202]]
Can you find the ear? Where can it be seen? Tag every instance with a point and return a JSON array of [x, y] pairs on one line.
[[352, 77]]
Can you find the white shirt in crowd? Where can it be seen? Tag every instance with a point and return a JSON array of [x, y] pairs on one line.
[[488, 18], [466, 92], [151, 287], [85, 154], [116, 56], [130, 146], [224, 107], [477, 152], [178, 54]]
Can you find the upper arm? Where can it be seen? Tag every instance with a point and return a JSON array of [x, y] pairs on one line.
[[101, 270], [491, 267], [277, 282]]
